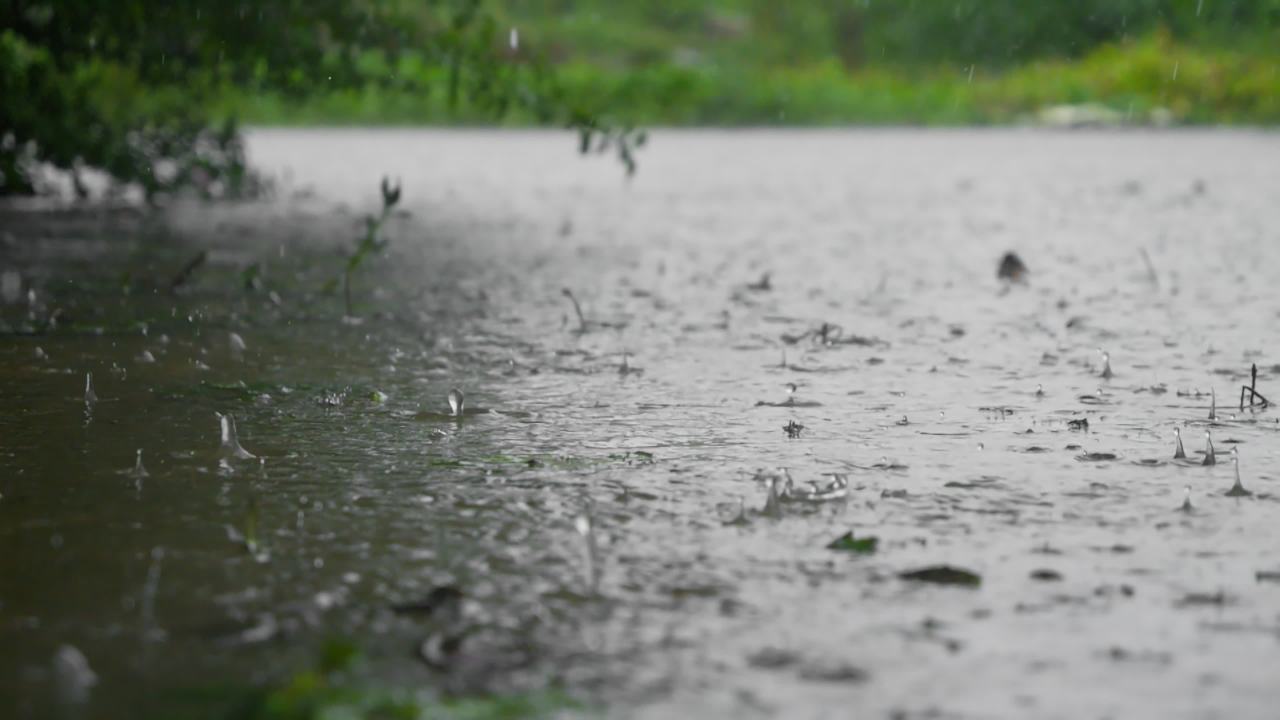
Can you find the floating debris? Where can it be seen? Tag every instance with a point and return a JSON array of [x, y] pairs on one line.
[[943, 575], [1096, 457], [1178, 452], [1237, 490], [1012, 268], [231, 449], [90, 397], [1078, 424], [457, 402], [792, 429], [762, 285], [1209, 457]]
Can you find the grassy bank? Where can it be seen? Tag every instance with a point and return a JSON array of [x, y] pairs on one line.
[[1150, 79]]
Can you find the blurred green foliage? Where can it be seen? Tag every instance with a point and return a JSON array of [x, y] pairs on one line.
[[131, 86], [147, 90]]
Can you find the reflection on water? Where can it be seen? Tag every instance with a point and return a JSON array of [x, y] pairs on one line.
[[629, 534]]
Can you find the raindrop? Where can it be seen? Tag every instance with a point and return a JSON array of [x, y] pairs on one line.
[[237, 344], [73, 674], [1237, 490], [231, 449], [1039, 390], [514, 39], [90, 397], [942, 415], [586, 529], [40, 354], [146, 357], [981, 447], [1186, 499], [138, 472], [457, 403], [1106, 367]]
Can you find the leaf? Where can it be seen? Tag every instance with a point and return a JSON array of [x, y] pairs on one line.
[[848, 543], [943, 575]]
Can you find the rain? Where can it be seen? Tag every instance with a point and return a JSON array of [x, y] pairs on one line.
[[487, 358]]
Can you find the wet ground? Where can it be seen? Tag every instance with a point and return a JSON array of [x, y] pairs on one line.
[[1090, 574]]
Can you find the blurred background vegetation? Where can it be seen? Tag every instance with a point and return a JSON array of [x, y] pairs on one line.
[[147, 89], [754, 62]]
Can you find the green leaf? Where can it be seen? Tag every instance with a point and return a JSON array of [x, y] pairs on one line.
[[848, 543]]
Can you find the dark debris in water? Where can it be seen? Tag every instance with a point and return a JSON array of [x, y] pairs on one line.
[[943, 575], [858, 546], [1097, 457]]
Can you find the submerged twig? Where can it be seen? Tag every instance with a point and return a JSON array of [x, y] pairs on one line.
[[1255, 397], [188, 270]]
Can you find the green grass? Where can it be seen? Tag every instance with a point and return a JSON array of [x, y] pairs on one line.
[[1136, 78]]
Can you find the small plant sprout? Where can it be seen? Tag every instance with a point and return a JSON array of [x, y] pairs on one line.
[[1237, 490], [1178, 452], [1255, 397], [1209, 457], [372, 242], [1106, 365], [457, 402]]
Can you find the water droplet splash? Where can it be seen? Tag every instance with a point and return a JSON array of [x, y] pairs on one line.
[[1237, 490], [90, 397], [231, 449], [1186, 499], [1178, 452], [1209, 457], [457, 402], [138, 472], [1106, 365]]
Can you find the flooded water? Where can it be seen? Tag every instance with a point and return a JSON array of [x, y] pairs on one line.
[[602, 505]]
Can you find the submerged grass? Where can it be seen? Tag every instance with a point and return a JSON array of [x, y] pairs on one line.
[[1152, 79], [333, 690]]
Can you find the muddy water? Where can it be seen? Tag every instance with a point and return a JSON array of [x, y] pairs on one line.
[[1099, 597]]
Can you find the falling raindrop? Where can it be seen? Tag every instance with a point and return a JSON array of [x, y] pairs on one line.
[[513, 39]]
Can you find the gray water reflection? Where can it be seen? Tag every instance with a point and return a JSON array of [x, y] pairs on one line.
[[950, 401]]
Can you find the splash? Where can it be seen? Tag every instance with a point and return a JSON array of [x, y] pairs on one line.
[[457, 402], [1209, 457], [1178, 452], [231, 449]]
